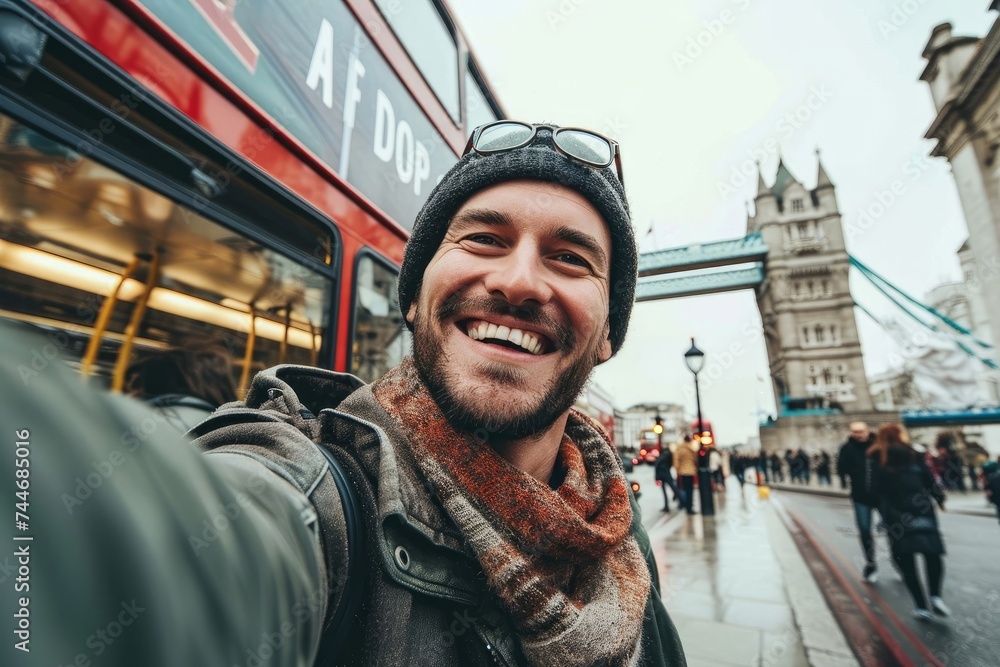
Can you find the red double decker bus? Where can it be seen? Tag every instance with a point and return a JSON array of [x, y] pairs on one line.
[[245, 172], [705, 436]]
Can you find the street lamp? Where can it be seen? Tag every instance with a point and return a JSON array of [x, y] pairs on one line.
[[695, 360]]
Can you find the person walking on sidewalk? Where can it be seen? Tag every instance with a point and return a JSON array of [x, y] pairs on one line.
[[738, 465], [686, 464], [853, 464], [715, 468], [991, 482], [903, 486], [763, 463], [793, 469], [805, 469], [665, 477], [823, 469], [776, 469]]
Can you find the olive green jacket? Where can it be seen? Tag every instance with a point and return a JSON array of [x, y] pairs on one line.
[[426, 601]]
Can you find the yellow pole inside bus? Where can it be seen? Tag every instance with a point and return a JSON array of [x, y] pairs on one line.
[[314, 350], [283, 350], [94, 345], [248, 355], [125, 353]]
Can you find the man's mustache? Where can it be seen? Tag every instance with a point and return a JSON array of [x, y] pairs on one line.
[[529, 313]]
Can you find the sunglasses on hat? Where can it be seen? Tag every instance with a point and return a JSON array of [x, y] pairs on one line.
[[579, 145]]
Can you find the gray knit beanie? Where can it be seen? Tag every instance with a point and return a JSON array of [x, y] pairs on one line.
[[541, 162]]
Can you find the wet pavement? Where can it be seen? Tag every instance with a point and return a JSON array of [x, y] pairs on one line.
[[971, 587], [726, 581]]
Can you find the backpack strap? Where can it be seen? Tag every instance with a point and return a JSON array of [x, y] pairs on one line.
[[352, 579], [355, 577]]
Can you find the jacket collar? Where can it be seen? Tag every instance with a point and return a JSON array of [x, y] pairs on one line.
[[418, 546]]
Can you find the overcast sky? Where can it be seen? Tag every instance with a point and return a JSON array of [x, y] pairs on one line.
[[693, 90]]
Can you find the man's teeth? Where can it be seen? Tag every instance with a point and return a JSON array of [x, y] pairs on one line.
[[480, 330]]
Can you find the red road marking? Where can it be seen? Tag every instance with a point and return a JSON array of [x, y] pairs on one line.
[[887, 639], [883, 605]]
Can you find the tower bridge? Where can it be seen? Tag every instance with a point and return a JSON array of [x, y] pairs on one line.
[[794, 258]]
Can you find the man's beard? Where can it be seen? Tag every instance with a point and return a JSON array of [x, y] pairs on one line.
[[496, 420]]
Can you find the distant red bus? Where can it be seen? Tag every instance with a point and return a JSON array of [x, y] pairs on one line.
[[706, 435], [648, 444], [239, 171]]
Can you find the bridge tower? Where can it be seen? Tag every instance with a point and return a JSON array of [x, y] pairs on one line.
[[805, 300]]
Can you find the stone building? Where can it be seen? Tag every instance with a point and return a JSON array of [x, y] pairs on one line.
[[805, 302], [807, 311], [630, 423], [597, 403], [963, 74]]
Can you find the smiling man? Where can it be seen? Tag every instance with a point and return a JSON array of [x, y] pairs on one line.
[[514, 303], [457, 511], [517, 281]]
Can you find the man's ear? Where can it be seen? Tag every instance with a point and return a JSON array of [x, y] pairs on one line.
[[411, 314], [604, 351]]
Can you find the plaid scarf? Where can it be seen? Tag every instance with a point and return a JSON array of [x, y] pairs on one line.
[[562, 561]]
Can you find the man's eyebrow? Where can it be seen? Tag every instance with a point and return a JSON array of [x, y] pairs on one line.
[[494, 218], [483, 216], [583, 240]]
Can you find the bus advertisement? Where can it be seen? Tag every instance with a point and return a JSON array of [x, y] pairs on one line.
[[174, 171], [312, 68]]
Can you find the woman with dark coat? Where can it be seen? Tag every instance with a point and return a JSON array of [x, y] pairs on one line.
[[904, 486]]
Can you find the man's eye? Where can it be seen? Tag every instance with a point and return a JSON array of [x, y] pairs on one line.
[[570, 258], [484, 239]]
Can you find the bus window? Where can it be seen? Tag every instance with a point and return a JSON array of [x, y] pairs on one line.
[[424, 34], [78, 238], [381, 339], [478, 110]]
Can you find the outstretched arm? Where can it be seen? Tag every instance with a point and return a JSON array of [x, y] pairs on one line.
[[139, 550]]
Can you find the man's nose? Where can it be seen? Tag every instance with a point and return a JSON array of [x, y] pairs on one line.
[[520, 277]]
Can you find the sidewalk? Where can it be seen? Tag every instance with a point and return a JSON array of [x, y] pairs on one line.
[[738, 590], [960, 502]]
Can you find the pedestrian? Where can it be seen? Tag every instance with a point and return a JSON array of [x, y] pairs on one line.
[[974, 474], [500, 526], [991, 482], [949, 467], [715, 468], [903, 487], [665, 477], [776, 468], [763, 463], [686, 464], [823, 464], [955, 470], [854, 465], [940, 462], [804, 467], [793, 469], [185, 384], [738, 463]]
